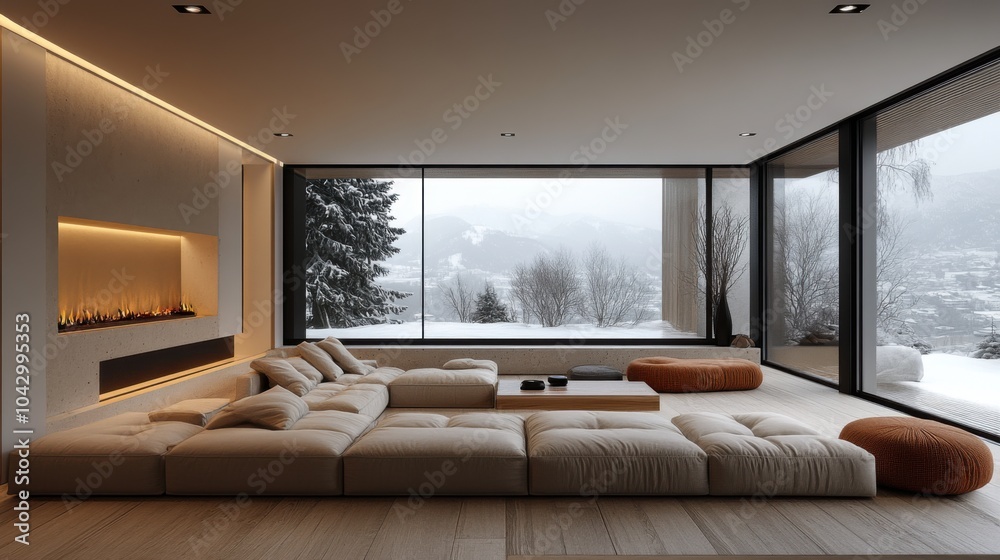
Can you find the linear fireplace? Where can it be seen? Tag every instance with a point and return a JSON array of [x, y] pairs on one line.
[[114, 274]]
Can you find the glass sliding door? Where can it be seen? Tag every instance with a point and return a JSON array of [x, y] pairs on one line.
[[802, 300], [937, 226]]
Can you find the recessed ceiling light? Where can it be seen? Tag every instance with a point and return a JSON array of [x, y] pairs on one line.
[[283, 134], [191, 9], [849, 8], [746, 134], [507, 134]]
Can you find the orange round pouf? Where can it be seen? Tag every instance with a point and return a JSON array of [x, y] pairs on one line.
[[922, 455], [677, 375]]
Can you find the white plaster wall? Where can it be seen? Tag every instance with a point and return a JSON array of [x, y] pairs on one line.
[[74, 375], [145, 166], [229, 208], [25, 266]]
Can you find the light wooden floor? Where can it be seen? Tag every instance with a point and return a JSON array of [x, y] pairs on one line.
[[494, 528]]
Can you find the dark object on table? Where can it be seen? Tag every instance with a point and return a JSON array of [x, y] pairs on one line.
[[532, 385], [594, 373], [558, 380]]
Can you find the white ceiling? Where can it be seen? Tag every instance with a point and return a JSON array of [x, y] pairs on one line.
[[608, 59]]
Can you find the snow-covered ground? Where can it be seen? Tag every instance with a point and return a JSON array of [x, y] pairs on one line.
[[961, 377], [411, 331]]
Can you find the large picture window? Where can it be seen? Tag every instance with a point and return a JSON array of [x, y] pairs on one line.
[[937, 259], [543, 254], [803, 297]]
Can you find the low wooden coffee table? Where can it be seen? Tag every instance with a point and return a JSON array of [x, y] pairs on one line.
[[579, 395]]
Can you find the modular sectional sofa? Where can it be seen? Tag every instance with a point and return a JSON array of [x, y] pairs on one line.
[[301, 427]]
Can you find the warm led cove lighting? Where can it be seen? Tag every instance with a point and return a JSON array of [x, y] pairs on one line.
[[9, 24], [191, 9], [849, 8]]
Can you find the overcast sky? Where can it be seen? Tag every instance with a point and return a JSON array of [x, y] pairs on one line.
[[633, 201]]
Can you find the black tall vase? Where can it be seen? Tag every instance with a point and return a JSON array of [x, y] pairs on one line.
[[723, 323]]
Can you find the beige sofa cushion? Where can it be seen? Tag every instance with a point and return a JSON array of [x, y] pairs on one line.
[[303, 460], [594, 453], [321, 360], [444, 388], [343, 357], [383, 376], [429, 454], [274, 409], [192, 411], [121, 455], [469, 363], [282, 373], [369, 399], [767, 454], [305, 368]]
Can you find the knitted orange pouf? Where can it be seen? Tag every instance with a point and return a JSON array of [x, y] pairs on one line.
[[922, 455], [677, 375]]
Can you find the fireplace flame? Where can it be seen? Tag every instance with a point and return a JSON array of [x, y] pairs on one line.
[[88, 318]]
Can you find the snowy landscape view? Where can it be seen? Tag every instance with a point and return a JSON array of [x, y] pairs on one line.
[[535, 258]]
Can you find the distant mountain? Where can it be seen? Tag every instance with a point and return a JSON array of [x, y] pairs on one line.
[[964, 212], [636, 244], [455, 243]]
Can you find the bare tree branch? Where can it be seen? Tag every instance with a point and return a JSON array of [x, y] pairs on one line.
[[615, 293]]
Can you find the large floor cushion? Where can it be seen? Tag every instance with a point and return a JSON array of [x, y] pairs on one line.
[[923, 455], [681, 375], [767, 454], [422, 454], [302, 460], [122, 455], [444, 388], [593, 453]]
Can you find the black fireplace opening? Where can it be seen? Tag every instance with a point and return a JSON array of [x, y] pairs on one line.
[[119, 373]]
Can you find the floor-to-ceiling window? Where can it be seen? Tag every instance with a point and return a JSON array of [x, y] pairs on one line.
[[536, 253], [801, 315], [937, 251]]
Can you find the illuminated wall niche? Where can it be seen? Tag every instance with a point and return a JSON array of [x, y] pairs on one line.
[[114, 274]]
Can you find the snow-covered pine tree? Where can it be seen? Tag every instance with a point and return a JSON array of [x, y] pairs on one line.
[[489, 309], [989, 347], [347, 237]]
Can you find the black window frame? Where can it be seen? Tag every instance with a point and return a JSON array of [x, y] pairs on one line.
[[857, 188], [293, 276]]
